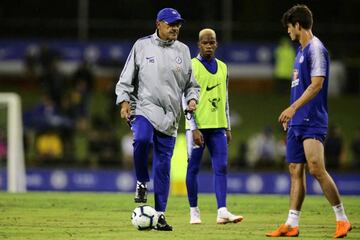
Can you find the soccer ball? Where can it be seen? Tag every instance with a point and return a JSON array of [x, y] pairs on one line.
[[144, 217]]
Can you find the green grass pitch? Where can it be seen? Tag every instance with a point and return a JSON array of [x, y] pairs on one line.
[[43, 215]]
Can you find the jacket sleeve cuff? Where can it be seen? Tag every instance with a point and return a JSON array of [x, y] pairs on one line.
[[122, 98], [192, 124]]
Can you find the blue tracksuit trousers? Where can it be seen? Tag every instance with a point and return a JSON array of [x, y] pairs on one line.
[[216, 142], [145, 137]]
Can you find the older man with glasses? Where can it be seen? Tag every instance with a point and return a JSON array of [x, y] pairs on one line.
[[156, 74]]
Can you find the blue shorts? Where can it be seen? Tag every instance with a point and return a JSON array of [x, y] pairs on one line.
[[295, 138]]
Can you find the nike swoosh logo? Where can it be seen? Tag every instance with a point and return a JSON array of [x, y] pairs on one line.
[[212, 87]]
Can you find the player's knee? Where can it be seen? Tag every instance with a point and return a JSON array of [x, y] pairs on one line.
[[292, 168], [317, 175], [295, 170], [221, 169], [162, 167], [317, 172], [193, 170], [143, 140]]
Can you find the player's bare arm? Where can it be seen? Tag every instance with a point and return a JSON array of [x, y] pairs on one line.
[[228, 136], [312, 90]]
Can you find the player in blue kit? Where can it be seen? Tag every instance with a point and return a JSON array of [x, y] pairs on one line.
[[306, 122]]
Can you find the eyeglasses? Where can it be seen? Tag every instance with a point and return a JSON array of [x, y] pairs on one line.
[[174, 24]]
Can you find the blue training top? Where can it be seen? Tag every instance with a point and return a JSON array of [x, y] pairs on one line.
[[210, 65], [312, 61]]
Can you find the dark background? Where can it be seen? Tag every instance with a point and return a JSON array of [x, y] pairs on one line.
[[336, 22], [254, 102]]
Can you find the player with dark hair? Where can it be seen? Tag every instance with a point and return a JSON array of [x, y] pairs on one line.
[[306, 122], [210, 126], [156, 75]]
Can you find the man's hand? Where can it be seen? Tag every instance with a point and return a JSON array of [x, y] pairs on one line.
[[285, 116], [228, 136], [125, 110], [198, 137], [191, 106]]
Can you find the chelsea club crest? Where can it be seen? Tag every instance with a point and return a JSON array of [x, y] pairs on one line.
[[178, 60], [301, 59]]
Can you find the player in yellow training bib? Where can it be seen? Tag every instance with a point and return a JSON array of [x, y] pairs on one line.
[[209, 126]]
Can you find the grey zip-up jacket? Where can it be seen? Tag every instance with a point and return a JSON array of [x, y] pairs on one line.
[[156, 75]]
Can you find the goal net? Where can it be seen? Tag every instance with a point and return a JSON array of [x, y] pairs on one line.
[[12, 129]]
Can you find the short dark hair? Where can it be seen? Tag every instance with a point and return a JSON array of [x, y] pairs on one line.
[[298, 14]]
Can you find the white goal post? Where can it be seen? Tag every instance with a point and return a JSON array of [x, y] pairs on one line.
[[16, 177]]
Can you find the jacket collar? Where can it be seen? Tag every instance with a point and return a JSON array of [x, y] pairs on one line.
[[160, 42]]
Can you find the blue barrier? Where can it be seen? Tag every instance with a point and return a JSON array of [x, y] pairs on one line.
[[123, 181], [16, 50]]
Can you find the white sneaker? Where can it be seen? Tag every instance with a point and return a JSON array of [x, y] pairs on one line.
[[195, 215], [224, 216]]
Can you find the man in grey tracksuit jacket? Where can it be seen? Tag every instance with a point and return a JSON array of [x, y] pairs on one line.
[[156, 75]]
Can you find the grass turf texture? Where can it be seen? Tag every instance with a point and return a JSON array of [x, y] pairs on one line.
[[107, 216]]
